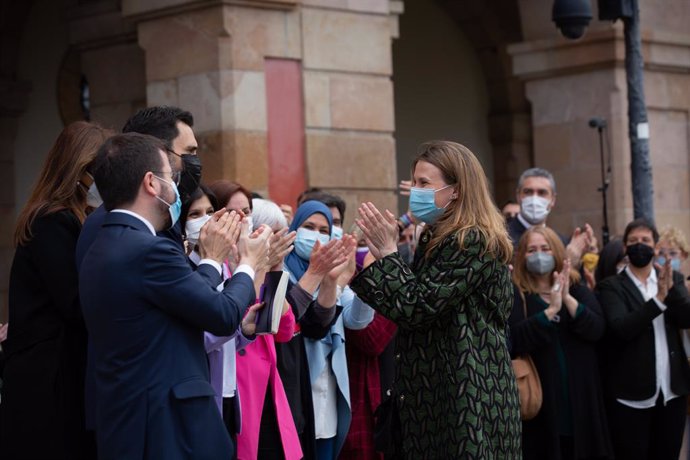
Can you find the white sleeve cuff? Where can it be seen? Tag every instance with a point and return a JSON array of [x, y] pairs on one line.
[[659, 304], [212, 263], [244, 268]]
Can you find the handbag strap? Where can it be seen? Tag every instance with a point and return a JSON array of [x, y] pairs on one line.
[[524, 302]]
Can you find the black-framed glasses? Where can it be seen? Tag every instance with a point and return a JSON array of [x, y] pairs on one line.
[[171, 151], [174, 175]]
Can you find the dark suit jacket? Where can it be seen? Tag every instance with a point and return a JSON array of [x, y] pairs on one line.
[[516, 230], [42, 403], [628, 353], [146, 311], [89, 232]]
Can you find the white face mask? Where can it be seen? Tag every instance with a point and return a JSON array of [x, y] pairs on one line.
[[534, 209], [336, 233], [93, 198], [192, 228], [250, 223]]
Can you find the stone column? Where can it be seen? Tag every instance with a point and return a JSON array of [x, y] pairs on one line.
[[210, 58], [110, 59], [570, 82], [349, 99]]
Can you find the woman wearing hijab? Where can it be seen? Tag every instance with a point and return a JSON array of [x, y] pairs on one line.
[[324, 329]]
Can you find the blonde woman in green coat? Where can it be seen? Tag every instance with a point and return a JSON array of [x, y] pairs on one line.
[[455, 388]]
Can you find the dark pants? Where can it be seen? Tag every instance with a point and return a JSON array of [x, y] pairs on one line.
[[655, 433], [229, 420], [270, 443]]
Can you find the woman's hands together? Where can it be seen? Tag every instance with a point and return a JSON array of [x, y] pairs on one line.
[[381, 232]]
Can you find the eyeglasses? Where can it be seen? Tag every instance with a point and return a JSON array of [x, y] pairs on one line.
[[171, 151], [174, 175]]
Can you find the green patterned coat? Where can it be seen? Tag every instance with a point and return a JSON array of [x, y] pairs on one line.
[[455, 385]]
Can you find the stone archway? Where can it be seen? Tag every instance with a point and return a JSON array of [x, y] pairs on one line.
[[491, 26]]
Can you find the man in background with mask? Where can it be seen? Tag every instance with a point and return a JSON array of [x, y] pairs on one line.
[[645, 369], [173, 126], [536, 195]]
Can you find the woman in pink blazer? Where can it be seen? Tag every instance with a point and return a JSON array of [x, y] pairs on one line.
[[262, 394], [268, 429]]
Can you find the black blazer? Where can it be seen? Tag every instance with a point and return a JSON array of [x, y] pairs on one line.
[[43, 394], [628, 353], [516, 230]]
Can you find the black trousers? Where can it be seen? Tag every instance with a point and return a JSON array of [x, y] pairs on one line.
[[648, 434], [229, 420], [270, 443]]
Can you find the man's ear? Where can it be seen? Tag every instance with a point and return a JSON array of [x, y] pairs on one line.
[[148, 184], [553, 202]]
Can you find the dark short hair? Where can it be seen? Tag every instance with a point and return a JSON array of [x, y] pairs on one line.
[[225, 189], [609, 257], [200, 191], [121, 163], [302, 196], [640, 223], [332, 201], [159, 121]]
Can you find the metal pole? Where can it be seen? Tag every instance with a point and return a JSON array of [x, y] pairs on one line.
[[638, 126], [604, 187]]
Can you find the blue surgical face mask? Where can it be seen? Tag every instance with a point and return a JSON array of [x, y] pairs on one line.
[[336, 233], [304, 243], [675, 262], [423, 204], [174, 208]]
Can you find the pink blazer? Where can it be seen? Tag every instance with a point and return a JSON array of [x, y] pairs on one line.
[[256, 369]]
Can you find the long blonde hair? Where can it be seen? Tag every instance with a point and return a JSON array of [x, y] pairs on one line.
[[58, 186], [474, 208], [526, 281]]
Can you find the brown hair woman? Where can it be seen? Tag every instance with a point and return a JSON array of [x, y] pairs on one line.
[[563, 324], [455, 388], [42, 411]]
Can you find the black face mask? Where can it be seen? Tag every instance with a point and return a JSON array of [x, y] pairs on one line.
[[640, 254], [191, 176]]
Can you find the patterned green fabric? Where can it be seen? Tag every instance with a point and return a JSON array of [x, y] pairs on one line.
[[454, 379]]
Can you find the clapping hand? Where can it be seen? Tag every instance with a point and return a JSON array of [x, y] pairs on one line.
[[219, 235], [253, 248], [665, 282], [325, 258], [556, 297], [580, 242], [281, 244], [343, 272], [381, 232], [404, 187], [3, 331]]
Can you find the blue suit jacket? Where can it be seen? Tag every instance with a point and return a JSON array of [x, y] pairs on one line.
[[89, 232], [146, 310]]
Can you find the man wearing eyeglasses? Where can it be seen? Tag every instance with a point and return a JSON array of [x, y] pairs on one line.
[[145, 310], [173, 126]]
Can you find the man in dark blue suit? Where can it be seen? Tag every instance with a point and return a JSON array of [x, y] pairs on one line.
[[146, 310], [173, 126]]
